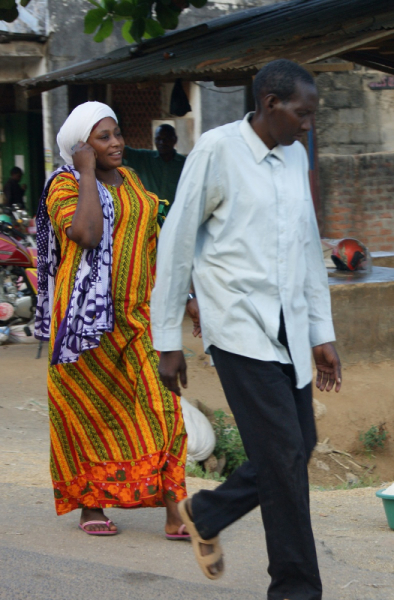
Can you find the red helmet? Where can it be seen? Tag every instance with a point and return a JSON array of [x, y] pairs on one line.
[[349, 255]]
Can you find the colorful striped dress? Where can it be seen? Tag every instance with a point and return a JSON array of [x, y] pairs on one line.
[[117, 434]]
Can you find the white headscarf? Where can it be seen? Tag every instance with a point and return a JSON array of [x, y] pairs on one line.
[[78, 126]]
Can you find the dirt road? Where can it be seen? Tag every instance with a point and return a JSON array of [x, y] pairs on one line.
[[44, 557]]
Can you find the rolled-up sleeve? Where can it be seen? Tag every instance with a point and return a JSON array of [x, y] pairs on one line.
[[62, 201], [198, 194]]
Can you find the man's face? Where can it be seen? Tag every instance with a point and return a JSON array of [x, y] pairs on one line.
[[289, 121], [165, 141]]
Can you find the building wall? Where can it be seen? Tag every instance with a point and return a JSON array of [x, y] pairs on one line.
[[135, 107], [352, 118], [68, 44], [357, 194]]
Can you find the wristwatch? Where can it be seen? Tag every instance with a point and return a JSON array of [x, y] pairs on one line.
[[190, 296]]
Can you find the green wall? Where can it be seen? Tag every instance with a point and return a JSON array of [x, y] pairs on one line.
[[22, 135]]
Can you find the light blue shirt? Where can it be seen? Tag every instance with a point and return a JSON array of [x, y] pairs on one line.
[[243, 227]]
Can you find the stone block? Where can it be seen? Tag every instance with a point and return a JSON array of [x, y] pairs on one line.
[[356, 98], [325, 118], [365, 136], [347, 81], [346, 149], [337, 99], [324, 82], [352, 116], [338, 135]]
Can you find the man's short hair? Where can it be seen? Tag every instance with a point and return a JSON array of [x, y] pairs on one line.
[[16, 171], [279, 77], [167, 128]]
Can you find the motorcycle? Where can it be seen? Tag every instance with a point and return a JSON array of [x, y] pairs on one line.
[[18, 285], [20, 220]]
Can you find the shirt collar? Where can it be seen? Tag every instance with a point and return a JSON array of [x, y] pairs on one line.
[[259, 150]]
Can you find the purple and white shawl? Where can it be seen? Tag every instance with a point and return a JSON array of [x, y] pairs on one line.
[[90, 311]]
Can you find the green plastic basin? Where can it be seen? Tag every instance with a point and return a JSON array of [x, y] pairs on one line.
[[388, 505]]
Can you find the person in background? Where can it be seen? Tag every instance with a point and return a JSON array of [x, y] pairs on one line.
[[12, 190], [159, 170], [117, 434], [243, 228]]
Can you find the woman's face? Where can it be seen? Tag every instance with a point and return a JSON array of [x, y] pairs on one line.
[[108, 143]]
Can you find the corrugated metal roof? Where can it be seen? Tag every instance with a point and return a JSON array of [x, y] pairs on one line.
[[239, 44]]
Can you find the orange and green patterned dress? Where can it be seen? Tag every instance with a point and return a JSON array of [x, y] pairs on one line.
[[117, 434]]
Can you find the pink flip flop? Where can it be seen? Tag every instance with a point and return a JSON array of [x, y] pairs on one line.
[[107, 523], [179, 535]]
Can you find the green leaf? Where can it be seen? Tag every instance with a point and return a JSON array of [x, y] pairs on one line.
[[142, 10], [126, 32], [93, 19], [166, 17], [95, 3], [137, 29], [9, 15], [109, 4], [125, 9], [198, 3], [7, 4], [24, 3], [153, 28], [105, 30]]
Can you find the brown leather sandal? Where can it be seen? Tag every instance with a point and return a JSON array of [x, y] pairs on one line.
[[204, 561]]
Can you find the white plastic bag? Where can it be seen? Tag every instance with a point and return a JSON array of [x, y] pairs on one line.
[[201, 437]]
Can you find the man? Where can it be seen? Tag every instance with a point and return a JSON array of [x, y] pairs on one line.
[[13, 191], [243, 226], [158, 170]]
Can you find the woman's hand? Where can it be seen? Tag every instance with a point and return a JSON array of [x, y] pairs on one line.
[[84, 157], [86, 228]]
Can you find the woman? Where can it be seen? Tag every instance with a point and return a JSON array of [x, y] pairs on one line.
[[117, 435]]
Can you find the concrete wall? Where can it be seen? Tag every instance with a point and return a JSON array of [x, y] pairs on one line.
[[364, 321], [353, 119], [357, 194]]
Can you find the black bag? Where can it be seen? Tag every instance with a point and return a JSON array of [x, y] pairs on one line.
[[179, 104]]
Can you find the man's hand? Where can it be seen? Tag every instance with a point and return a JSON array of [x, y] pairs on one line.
[[328, 367], [171, 364], [194, 313]]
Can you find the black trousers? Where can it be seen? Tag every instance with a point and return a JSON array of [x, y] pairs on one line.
[[276, 423]]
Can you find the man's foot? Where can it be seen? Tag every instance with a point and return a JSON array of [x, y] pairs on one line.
[[96, 514], [205, 548]]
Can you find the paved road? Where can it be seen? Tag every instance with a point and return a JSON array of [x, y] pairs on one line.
[[47, 558]]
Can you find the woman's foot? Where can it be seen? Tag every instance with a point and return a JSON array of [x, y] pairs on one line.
[[96, 514], [174, 521]]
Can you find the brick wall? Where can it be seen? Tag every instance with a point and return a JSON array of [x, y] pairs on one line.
[[357, 195], [135, 107]]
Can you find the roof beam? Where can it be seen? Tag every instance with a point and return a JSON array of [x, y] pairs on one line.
[[329, 67]]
